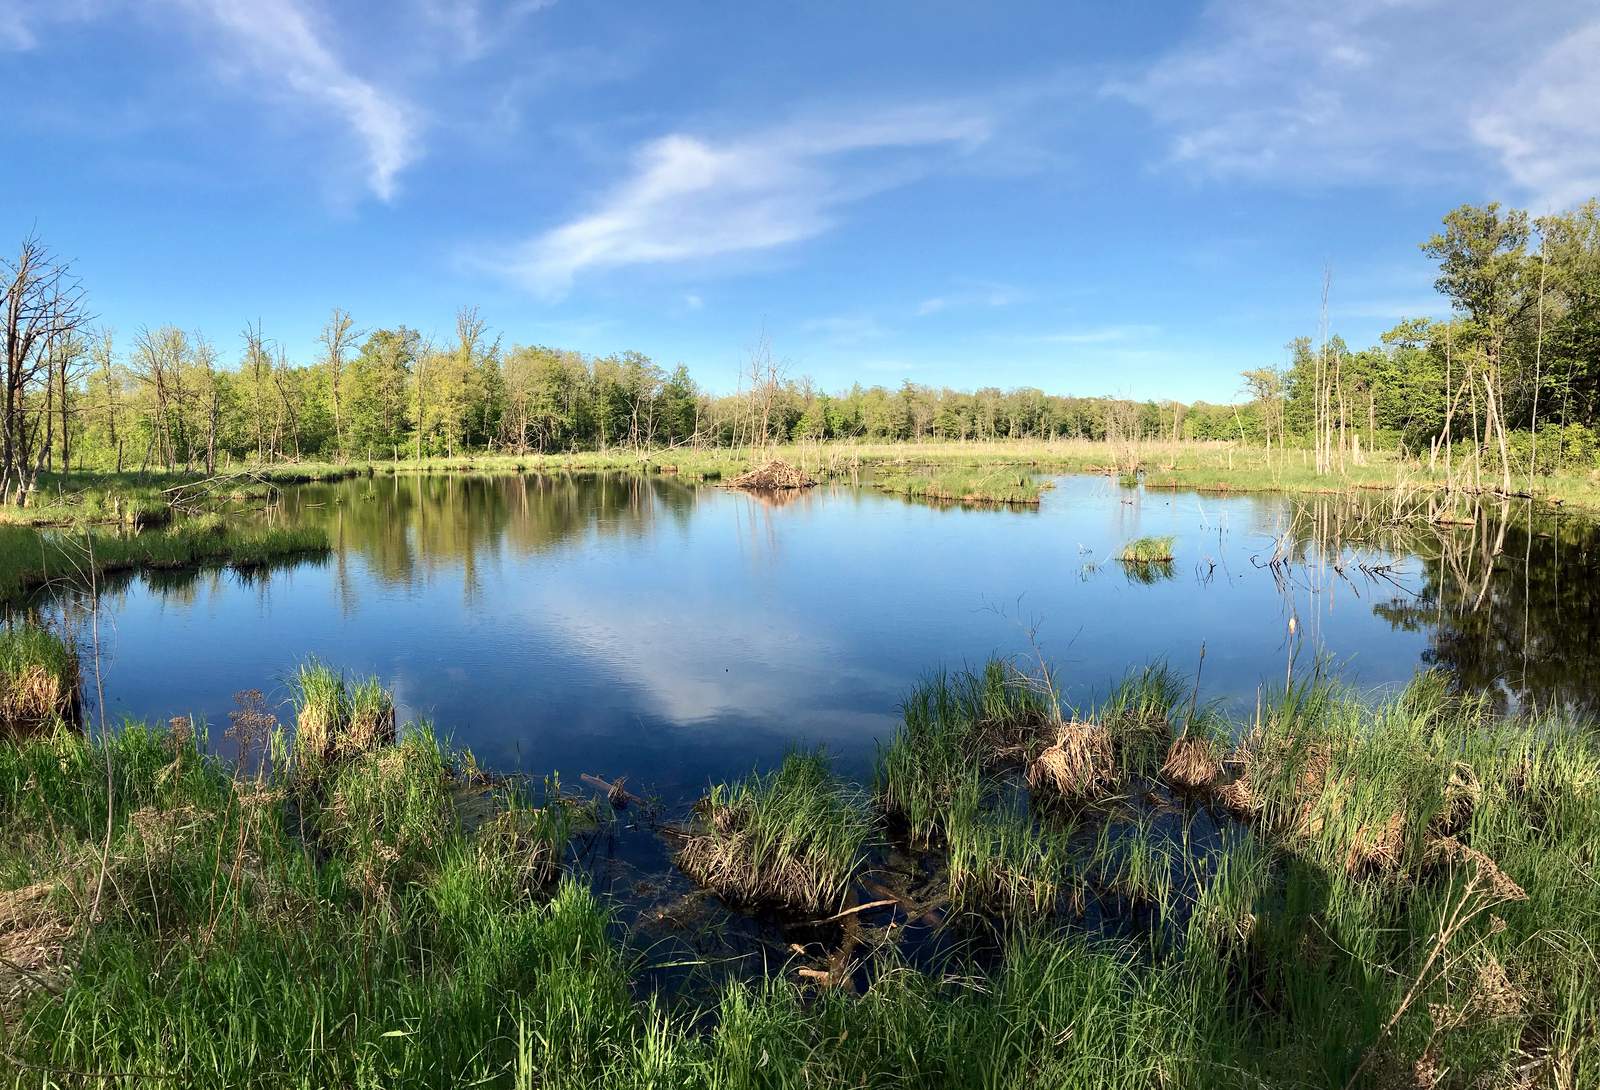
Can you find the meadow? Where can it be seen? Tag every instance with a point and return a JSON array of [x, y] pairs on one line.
[[1341, 889]]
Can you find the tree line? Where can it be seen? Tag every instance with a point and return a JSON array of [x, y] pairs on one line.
[[1510, 379]]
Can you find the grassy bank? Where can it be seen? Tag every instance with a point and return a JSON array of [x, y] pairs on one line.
[[999, 470], [1129, 894], [30, 559]]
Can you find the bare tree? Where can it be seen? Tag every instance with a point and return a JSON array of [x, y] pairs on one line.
[[766, 376], [43, 310], [258, 365], [338, 337], [102, 359]]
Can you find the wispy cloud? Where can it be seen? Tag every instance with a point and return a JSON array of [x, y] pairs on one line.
[[1312, 92], [977, 295], [275, 48], [691, 197], [1545, 126], [475, 26], [845, 329], [1098, 335], [21, 21], [277, 45]]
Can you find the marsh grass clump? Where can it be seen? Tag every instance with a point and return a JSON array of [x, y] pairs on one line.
[[1148, 550], [39, 681], [1126, 737], [1193, 762], [1194, 759], [522, 845], [951, 725], [334, 721], [794, 838], [1000, 861], [1079, 766]]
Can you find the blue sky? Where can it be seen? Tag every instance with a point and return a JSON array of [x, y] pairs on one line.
[[1073, 196]]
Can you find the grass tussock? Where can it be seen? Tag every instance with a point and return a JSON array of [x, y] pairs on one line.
[[793, 838], [953, 724], [1148, 550], [1079, 765], [39, 682], [1001, 862], [335, 721]]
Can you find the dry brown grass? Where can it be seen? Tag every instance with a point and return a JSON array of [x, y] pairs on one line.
[[724, 861], [36, 696], [1192, 763], [33, 940], [1080, 765]]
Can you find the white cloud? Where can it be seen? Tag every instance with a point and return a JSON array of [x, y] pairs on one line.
[[1378, 90], [691, 197], [1546, 126], [693, 301], [276, 41]]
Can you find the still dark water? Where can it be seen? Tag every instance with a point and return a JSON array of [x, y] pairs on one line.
[[671, 633]]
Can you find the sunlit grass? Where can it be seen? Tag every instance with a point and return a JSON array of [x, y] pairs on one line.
[[1147, 550], [200, 924], [963, 485], [30, 559]]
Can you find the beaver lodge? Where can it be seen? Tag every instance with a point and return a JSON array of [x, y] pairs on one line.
[[776, 475]]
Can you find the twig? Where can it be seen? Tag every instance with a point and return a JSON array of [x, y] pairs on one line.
[[852, 911]]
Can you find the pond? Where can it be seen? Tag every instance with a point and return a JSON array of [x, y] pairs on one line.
[[674, 634]]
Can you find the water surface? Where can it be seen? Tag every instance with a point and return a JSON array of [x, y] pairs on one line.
[[674, 633]]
